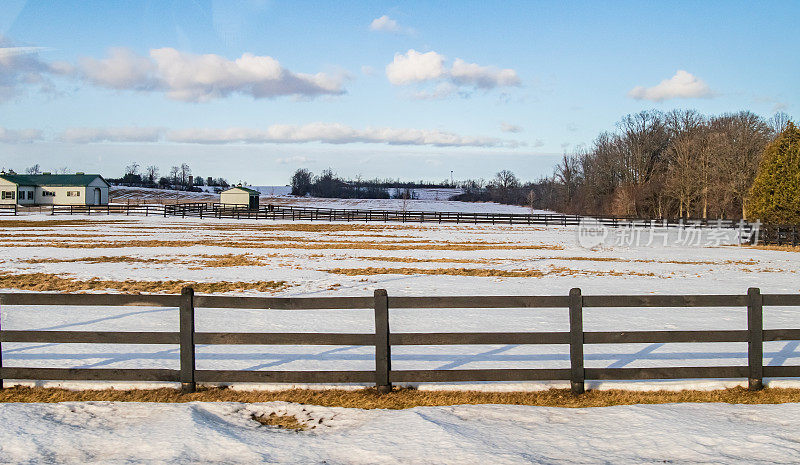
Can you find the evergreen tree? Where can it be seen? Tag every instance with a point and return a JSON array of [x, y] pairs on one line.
[[775, 195]]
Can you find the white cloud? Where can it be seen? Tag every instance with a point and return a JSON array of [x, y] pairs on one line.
[[122, 69], [414, 67], [21, 67], [442, 90], [330, 133], [779, 107], [296, 160], [325, 133], [124, 134], [485, 77], [199, 78], [385, 24], [6, 52], [682, 85], [507, 127], [19, 136]]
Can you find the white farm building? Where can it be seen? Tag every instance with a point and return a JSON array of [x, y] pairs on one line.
[[53, 189], [240, 196]]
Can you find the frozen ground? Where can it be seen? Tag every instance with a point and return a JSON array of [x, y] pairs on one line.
[[323, 259], [427, 200], [112, 433]]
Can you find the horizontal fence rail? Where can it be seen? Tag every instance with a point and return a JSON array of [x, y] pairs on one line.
[[280, 212], [766, 234], [383, 339]]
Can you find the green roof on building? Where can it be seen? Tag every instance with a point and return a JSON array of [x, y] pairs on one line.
[[54, 180], [250, 191]]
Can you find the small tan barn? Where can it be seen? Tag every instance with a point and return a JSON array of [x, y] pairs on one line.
[[240, 196]]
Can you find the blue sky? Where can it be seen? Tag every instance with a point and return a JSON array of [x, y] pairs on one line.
[[252, 90]]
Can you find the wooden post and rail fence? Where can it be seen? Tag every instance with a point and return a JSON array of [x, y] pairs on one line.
[[383, 376], [767, 234]]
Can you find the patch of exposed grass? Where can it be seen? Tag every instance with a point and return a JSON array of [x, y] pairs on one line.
[[405, 398], [301, 244], [781, 248], [280, 421], [423, 260], [201, 261], [483, 272], [94, 260], [47, 282], [642, 260], [56, 223]]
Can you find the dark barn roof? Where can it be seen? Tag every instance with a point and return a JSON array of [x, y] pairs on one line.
[[55, 180]]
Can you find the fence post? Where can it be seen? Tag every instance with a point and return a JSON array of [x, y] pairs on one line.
[[1, 344], [383, 356], [187, 340], [755, 339], [576, 341]]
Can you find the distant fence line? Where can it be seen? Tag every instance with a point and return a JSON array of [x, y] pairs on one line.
[[382, 339], [767, 234]]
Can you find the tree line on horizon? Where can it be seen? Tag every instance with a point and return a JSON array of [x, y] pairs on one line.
[[180, 177], [678, 164]]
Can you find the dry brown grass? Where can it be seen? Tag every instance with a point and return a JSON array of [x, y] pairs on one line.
[[94, 260], [642, 260], [229, 260], [483, 272], [47, 282], [300, 244], [781, 248], [56, 223], [422, 260], [405, 398], [281, 421], [202, 260]]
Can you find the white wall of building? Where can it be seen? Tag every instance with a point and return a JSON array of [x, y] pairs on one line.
[[6, 186], [96, 193], [235, 198]]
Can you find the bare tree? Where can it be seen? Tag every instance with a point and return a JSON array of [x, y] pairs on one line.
[[568, 173], [35, 169], [174, 175], [504, 186], [778, 122], [151, 173], [739, 140], [184, 174], [531, 198], [132, 169], [687, 162]]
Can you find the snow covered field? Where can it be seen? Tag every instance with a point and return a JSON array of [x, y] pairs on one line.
[[323, 259], [427, 200], [111, 433]]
